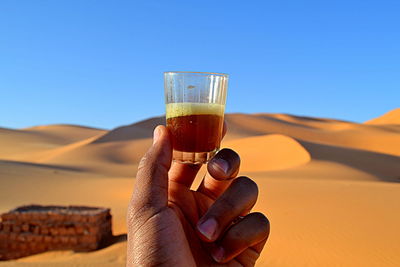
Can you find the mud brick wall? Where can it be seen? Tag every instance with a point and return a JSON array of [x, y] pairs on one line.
[[33, 229]]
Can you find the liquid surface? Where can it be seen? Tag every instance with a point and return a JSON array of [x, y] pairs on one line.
[[185, 109]]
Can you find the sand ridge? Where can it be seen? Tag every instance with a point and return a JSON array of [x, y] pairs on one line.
[[391, 117]]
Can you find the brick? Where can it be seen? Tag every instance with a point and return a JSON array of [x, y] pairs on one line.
[[58, 217], [76, 217], [44, 231], [14, 246], [3, 243], [41, 247], [30, 237], [93, 229], [36, 230], [64, 239], [38, 238], [73, 240], [47, 239], [5, 217], [21, 238], [88, 239], [16, 228], [62, 230], [13, 236], [35, 216], [25, 228], [80, 229], [71, 231], [25, 216], [54, 231], [22, 246], [33, 246], [56, 239], [93, 219], [6, 228], [3, 236]]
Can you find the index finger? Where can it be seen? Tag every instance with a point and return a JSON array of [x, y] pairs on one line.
[[222, 169], [185, 174]]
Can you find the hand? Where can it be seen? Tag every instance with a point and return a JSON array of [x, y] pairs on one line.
[[171, 225]]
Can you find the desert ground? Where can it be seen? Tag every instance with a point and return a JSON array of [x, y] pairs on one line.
[[330, 188]]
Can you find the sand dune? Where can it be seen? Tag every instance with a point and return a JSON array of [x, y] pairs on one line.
[[268, 152], [391, 117], [118, 151], [20, 144], [331, 188], [324, 131], [67, 133], [139, 130], [111, 158]]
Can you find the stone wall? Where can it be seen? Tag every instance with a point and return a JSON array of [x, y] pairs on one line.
[[33, 229]]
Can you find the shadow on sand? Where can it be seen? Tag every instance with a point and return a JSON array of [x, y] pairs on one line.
[[383, 166]]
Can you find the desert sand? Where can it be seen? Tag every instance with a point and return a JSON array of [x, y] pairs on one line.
[[330, 188]]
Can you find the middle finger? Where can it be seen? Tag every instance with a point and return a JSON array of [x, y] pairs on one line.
[[237, 200]]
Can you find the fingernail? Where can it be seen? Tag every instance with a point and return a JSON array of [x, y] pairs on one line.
[[208, 228], [156, 135], [218, 254], [222, 164]]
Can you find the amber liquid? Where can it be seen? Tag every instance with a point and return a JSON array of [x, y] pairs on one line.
[[196, 133]]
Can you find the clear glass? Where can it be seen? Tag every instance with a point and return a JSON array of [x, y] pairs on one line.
[[195, 106]]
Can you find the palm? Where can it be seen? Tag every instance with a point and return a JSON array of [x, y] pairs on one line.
[[189, 206]]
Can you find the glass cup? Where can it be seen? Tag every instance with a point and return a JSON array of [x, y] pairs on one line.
[[195, 105]]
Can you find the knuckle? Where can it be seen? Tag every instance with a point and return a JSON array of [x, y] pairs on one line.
[[150, 167], [247, 184], [139, 212], [143, 162], [130, 217], [239, 235], [262, 221], [227, 204]]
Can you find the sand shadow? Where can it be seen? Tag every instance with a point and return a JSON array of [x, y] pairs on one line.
[[115, 239], [383, 166], [140, 130], [118, 239], [54, 167]]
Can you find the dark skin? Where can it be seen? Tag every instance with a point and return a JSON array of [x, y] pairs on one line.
[[171, 225]]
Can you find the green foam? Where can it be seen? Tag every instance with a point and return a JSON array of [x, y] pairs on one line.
[[185, 109]]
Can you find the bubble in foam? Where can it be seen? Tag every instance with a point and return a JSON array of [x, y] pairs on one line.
[[185, 109]]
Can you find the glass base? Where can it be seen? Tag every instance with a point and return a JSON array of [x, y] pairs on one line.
[[192, 157]]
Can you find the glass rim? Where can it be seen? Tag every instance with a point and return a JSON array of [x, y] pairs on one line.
[[197, 72]]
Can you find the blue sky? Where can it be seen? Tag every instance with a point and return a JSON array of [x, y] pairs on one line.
[[100, 63]]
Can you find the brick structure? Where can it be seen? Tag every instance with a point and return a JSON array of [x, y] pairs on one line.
[[33, 229]]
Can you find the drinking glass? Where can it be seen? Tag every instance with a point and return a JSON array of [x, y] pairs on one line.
[[195, 106]]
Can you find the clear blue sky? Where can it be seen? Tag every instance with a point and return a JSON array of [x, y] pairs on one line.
[[100, 63]]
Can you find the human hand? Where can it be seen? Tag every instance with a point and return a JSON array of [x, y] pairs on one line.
[[171, 225]]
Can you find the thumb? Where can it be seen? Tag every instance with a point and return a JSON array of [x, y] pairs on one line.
[[151, 186]]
